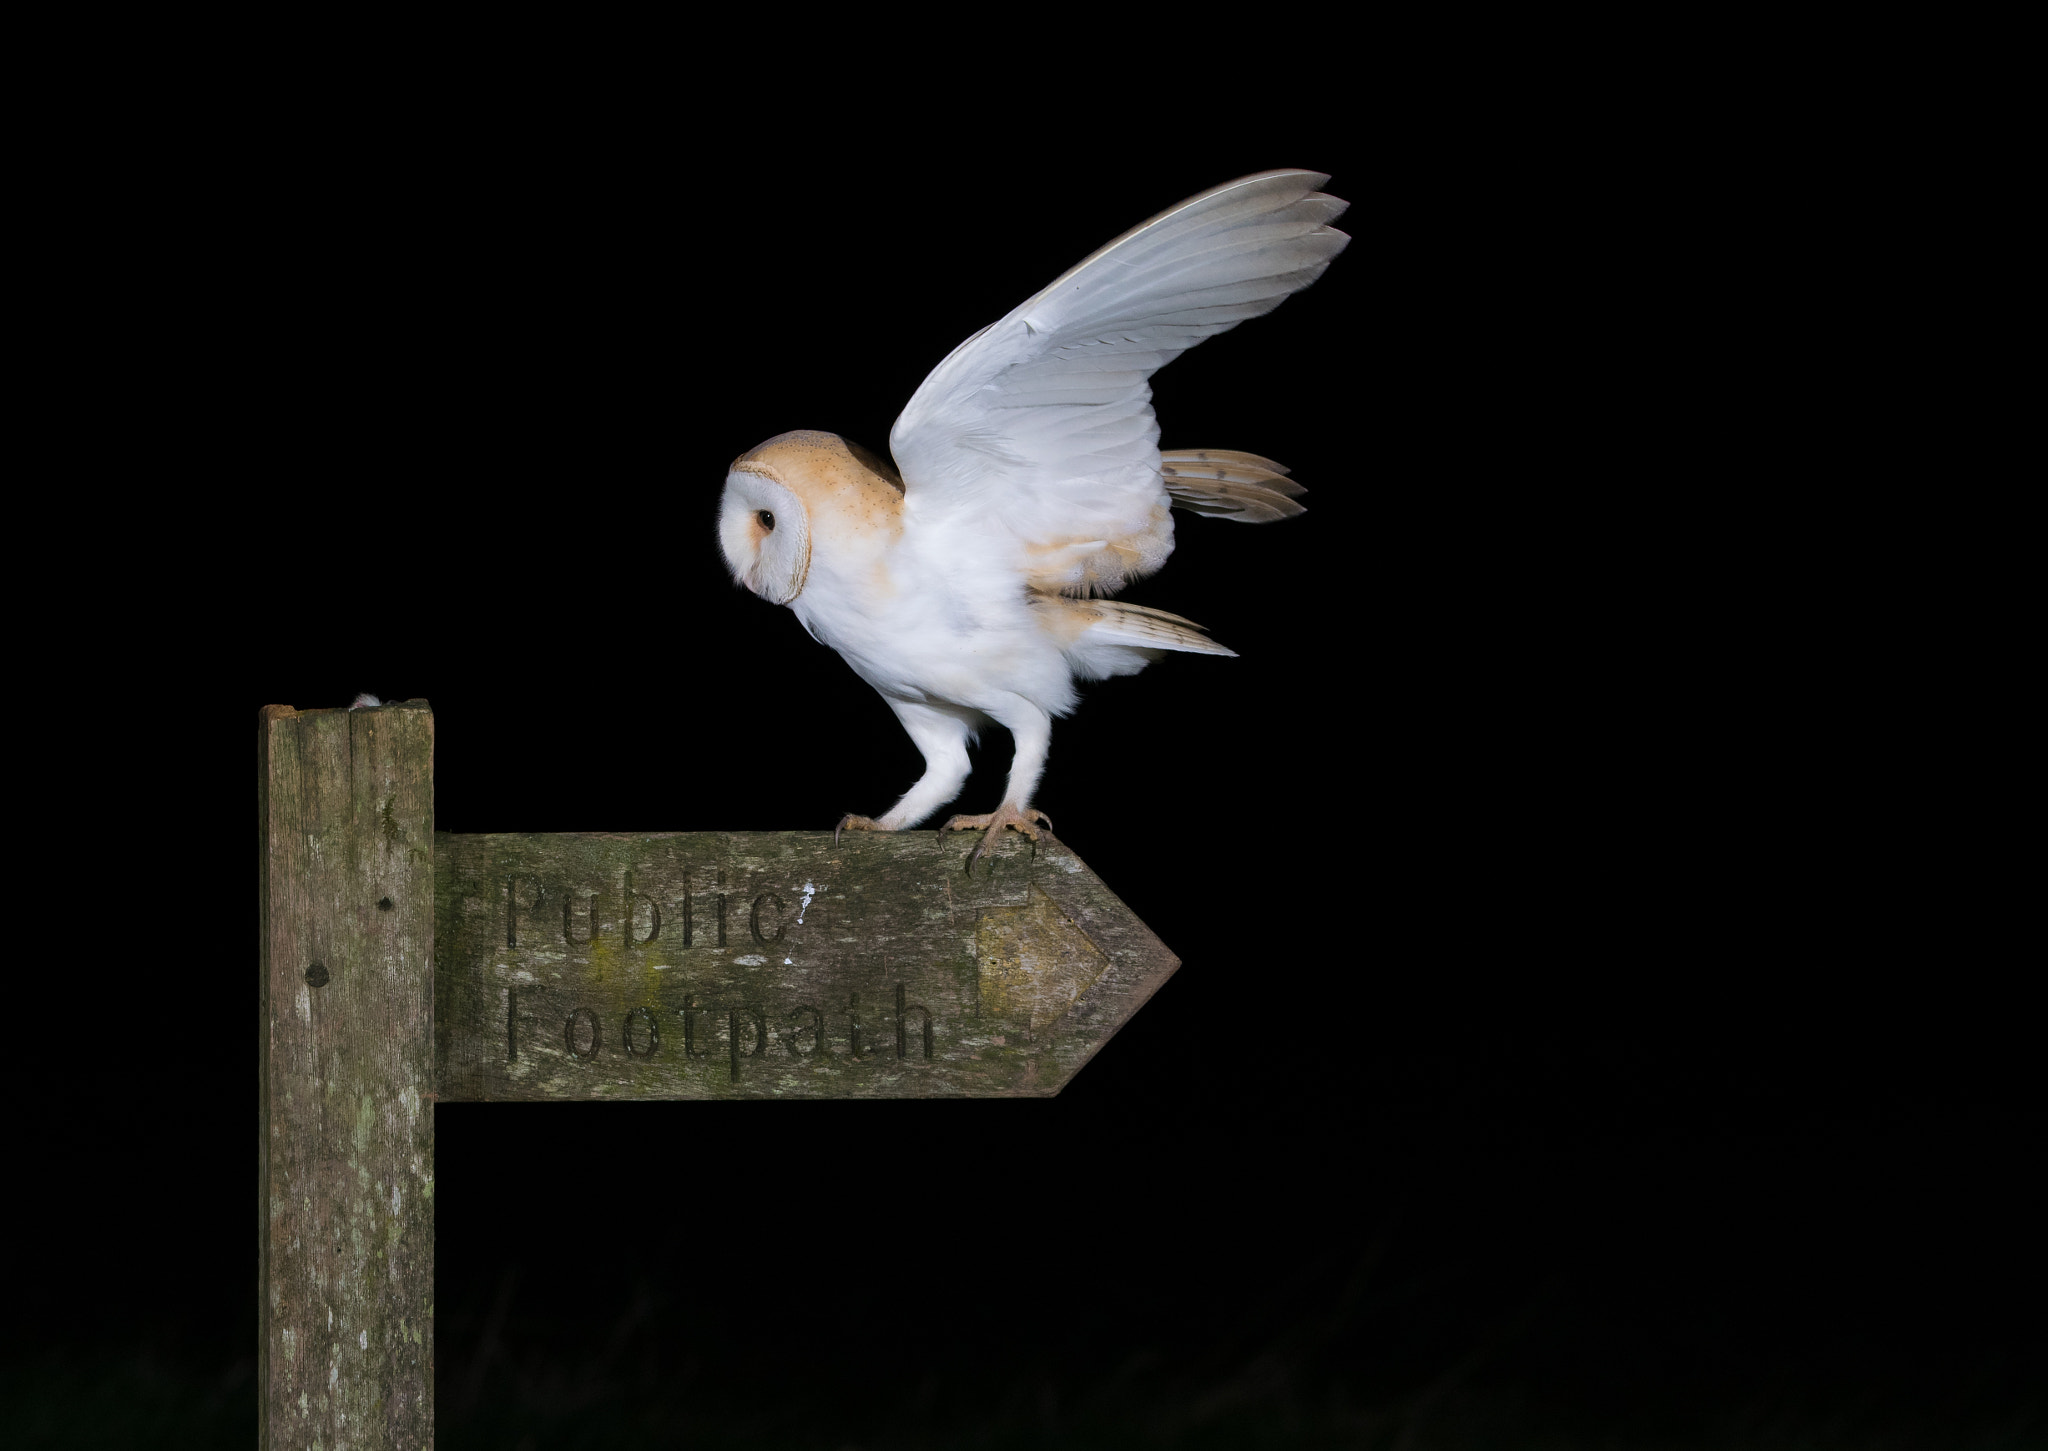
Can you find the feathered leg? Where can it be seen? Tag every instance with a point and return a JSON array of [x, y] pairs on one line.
[[941, 733], [1031, 729]]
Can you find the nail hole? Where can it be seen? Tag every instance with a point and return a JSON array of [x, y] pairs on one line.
[[316, 975], [383, 904]]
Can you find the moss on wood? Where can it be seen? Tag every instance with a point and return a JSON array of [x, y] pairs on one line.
[[345, 814], [552, 947]]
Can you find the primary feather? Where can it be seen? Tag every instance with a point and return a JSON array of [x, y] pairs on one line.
[[1041, 424]]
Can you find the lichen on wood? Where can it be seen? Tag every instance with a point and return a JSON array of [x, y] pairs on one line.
[[346, 1150], [400, 968], [775, 965]]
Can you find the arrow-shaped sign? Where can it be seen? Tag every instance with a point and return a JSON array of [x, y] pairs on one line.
[[774, 965]]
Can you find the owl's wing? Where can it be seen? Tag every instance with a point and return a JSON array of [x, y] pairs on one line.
[[1042, 422]]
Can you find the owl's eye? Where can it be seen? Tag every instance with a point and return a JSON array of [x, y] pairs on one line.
[[767, 520]]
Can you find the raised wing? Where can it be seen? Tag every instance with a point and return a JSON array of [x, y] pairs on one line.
[[1043, 423]]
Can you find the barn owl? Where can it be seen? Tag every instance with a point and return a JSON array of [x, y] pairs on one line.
[[969, 582]]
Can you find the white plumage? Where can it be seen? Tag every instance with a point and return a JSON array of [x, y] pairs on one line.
[[966, 584]]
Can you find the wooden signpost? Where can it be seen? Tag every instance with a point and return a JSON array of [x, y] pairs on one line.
[[402, 967]]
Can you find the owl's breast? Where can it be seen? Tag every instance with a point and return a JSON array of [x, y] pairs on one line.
[[919, 623]]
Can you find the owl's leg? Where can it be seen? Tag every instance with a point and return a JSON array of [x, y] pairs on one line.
[[941, 733], [1031, 729]]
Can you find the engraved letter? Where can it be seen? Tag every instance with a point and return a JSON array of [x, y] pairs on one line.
[[816, 1030], [689, 1011], [755, 920], [511, 911], [853, 1028], [569, 1035], [721, 908], [902, 1046], [653, 1034], [590, 928], [732, 1037], [513, 1018], [626, 915]]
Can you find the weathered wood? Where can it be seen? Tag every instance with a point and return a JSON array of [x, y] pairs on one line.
[[346, 1289], [775, 965]]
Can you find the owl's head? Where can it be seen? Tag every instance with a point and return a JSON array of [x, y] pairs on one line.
[[794, 492]]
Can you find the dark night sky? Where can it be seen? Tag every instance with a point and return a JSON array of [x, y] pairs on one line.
[[1579, 1024]]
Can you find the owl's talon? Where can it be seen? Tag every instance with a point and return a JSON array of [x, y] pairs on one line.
[[850, 822], [995, 821]]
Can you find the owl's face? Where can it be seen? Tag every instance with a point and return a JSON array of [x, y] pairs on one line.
[[765, 533], [800, 491]]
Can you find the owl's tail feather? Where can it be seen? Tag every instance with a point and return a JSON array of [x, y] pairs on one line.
[[1223, 483], [1102, 638], [1117, 623]]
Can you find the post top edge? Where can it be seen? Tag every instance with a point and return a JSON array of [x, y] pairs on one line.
[[286, 712]]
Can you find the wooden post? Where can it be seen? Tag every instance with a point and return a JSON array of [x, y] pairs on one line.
[[346, 1285], [595, 965]]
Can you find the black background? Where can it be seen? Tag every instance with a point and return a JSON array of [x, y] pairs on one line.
[[1569, 1036]]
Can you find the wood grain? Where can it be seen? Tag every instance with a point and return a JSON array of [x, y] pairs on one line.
[[772, 965], [346, 1158], [400, 968]]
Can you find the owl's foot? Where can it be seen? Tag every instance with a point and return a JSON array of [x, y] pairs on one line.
[[850, 822], [1027, 821]]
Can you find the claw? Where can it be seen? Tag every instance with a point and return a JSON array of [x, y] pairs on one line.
[[1027, 821], [850, 822]]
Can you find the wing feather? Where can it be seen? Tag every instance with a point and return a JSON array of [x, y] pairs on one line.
[[1042, 422], [1226, 484]]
